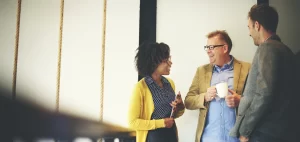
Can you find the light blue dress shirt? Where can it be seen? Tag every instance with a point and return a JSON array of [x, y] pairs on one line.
[[220, 118]]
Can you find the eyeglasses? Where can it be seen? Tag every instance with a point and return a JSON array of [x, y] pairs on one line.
[[211, 47]]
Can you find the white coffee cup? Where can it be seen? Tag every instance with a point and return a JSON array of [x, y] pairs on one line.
[[222, 89]]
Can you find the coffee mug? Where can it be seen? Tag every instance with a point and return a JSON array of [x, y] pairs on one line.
[[222, 89]]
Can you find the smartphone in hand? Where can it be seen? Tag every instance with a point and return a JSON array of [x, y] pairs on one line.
[[177, 97]]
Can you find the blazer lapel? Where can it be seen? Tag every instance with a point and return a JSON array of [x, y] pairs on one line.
[[208, 75], [236, 74]]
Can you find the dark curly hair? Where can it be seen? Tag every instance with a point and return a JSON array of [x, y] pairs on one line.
[[149, 55]]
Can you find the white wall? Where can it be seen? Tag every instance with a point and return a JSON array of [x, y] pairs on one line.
[[7, 41], [38, 48], [184, 26], [122, 39], [81, 58], [80, 77], [288, 27]]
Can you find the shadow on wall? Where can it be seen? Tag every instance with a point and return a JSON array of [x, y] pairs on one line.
[[27, 121]]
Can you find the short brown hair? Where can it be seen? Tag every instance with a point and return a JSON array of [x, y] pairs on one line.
[[265, 15], [223, 35]]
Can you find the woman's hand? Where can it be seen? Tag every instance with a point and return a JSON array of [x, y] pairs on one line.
[[169, 122], [177, 103]]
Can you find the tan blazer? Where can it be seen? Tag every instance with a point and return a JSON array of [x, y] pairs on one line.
[[195, 97]]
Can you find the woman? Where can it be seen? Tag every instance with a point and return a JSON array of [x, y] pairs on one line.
[[153, 106]]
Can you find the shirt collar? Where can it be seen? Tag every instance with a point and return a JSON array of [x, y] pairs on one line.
[[149, 80], [227, 66], [268, 38], [273, 37]]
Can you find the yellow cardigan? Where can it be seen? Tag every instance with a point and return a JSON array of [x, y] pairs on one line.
[[141, 108]]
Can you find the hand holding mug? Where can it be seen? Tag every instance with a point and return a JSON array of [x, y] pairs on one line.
[[210, 94]]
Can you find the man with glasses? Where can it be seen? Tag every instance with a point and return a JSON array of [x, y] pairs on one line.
[[217, 115]]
